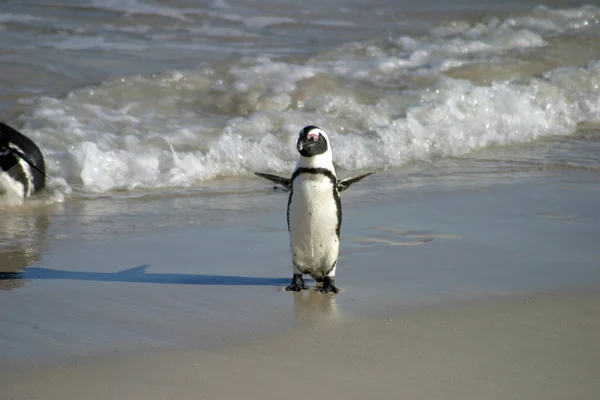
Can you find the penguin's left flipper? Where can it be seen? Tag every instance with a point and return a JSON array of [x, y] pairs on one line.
[[285, 182], [345, 183]]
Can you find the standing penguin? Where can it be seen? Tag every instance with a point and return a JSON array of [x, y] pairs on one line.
[[22, 168], [314, 212]]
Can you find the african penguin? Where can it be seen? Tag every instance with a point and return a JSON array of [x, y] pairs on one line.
[[22, 168], [314, 212]]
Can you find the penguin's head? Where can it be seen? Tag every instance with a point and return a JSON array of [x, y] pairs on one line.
[[312, 141]]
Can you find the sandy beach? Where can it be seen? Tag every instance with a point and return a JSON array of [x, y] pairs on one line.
[[467, 295], [539, 346]]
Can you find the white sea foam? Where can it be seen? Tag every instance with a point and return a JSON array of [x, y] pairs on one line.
[[208, 30], [9, 17], [222, 4], [130, 7], [95, 42], [474, 40], [541, 20], [121, 146], [262, 22], [384, 103]]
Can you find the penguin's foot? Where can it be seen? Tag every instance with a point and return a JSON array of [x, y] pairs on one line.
[[297, 284], [328, 286]]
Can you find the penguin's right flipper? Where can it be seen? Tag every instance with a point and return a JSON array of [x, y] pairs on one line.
[[285, 182]]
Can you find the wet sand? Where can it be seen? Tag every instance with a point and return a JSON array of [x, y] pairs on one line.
[[539, 346], [449, 291]]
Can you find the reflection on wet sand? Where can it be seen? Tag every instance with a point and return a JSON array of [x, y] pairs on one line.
[[312, 308], [22, 239]]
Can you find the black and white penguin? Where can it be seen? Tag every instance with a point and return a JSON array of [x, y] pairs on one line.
[[22, 168], [314, 212]]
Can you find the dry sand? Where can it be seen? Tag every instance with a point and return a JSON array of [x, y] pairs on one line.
[[539, 346]]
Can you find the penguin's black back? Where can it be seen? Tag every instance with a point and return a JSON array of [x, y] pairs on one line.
[[9, 162]]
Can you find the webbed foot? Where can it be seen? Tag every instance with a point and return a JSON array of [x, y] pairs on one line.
[[328, 286], [297, 284]]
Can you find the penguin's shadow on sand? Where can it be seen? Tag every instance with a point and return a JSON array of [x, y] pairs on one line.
[[139, 275]]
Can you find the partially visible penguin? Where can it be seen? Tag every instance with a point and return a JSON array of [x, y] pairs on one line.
[[22, 168], [314, 212]]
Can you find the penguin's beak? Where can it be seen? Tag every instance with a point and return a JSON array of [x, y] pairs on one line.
[[306, 141]]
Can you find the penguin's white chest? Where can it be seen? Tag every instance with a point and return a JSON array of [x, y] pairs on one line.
[[11, 187], [313, 221]]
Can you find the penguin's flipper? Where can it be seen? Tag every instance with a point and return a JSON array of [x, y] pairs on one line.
[[27, 160], [285, 182], [8, 135], [345, 183]]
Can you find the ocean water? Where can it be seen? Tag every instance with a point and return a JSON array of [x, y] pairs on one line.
[[164, 97]]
